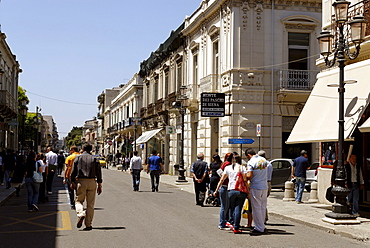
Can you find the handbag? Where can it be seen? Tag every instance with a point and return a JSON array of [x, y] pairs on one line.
[[240, 185], [37, 176], [329, 195]]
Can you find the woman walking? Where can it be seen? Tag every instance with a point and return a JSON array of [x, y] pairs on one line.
[[215, 178], [32, 187]]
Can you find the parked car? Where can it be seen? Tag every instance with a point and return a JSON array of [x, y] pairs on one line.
[[311, 175], [281, 172]]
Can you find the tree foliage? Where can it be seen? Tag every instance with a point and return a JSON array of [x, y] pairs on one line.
[[74, 137]]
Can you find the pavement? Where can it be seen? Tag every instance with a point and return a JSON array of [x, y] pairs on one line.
[[309, 214]]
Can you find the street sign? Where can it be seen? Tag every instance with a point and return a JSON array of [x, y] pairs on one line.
[[110, 142], [212, 104], [241, 141], [170, 130], [258, 130]]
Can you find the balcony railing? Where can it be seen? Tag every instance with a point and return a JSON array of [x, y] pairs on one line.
[[8, 105], [211, 80], [297, 79]]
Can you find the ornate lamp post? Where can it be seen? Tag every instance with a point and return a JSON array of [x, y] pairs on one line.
[[184, 104], [340, 51], [36, 121], [23, 113], [136, 119]]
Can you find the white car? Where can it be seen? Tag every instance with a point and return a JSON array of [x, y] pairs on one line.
[[281, 172], [311, 175]]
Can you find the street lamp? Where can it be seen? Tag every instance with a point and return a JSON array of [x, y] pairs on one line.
[[23, 113], [136, 119], [36, 122], [340, 53], [184, 104]]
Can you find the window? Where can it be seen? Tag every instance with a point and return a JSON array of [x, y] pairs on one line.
[[178, 75], [298, 50], [215, 58], [195, 75], [155, 90], [166, 82], [127, 111]]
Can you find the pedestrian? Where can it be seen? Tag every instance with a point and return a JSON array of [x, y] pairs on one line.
[[2, 154], [154, 167], [214, 166], [40, 158], [67, 174], [127, 163], [52, 163], [118, 158], [225, 219], [136, 166], [299, 168], [18, 174], [86, 179], [355, 182], [262, 153], [31, 185], [9, 164], [61, 161], [199, 173], [257, 174], [236, 198]]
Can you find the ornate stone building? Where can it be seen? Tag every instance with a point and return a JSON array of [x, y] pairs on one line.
[[260, 54]]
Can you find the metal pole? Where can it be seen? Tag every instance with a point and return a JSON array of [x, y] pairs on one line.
[[340, 208], [135, 137], [181, 177]]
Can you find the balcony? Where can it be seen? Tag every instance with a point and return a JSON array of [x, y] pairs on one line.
[[297, 80], [209, 82], [8, 105]]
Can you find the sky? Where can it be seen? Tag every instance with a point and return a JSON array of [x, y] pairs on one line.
[[71, 50]]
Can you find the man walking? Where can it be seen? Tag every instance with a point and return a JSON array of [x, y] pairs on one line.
[[355, 182], [154, 166], [52, 163], [136, 167], [9, 162], [86, 178], [299, 168], [199, 172], [67, 174], [257, 173], [61, 161]]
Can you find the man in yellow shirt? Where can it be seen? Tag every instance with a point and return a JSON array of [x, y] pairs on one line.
[[67, 174]]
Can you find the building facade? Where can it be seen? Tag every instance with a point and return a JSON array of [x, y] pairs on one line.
[[9, 76], [260, 54]]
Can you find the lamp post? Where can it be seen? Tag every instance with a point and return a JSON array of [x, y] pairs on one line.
[[36, 121], [23, 113], [184, 104], [340, 53], [136, 119]]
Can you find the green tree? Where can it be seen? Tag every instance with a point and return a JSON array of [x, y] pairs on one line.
[[23, 131], [74, 137]]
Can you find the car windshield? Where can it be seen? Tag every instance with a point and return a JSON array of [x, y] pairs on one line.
[[314, 166]]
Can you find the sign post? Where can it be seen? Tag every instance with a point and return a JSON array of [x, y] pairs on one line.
[[241, 142], [258, 133]]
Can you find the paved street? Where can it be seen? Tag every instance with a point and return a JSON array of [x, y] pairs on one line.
[[124, 218]]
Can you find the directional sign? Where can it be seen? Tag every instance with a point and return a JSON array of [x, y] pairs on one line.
[[258, 130], [212, 104], [241, 141]]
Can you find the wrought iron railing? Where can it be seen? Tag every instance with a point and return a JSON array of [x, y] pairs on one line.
[[297, 79]]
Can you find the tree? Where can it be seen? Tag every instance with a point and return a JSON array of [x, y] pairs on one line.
[[23, 101], [74, 137]]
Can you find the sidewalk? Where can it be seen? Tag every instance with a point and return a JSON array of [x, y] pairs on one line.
[[307, 213]]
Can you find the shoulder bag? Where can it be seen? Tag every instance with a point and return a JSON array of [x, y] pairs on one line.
[[240, 185], [37, 176]]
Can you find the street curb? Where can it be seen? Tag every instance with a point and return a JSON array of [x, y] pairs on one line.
[[322, 228]]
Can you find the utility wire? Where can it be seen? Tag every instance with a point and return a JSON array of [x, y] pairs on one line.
[[58, 100]]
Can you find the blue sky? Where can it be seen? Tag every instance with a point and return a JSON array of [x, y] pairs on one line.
[[71, 50]]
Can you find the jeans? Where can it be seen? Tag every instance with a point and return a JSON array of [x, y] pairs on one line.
[[71, 193], [32, 191], [353, 197], [154, 178], [224, 209], [237, 199], [7, 177], [136, 179], [300, 182], [49, 180]]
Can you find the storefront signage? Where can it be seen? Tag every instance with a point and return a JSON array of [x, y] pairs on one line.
[[212, 104]]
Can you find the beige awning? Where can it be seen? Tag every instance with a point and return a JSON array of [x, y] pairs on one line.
[[365, 127], [318, 121], [146, 136]]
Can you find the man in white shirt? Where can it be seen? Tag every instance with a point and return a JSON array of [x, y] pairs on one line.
[[136, 166], [52, 163]]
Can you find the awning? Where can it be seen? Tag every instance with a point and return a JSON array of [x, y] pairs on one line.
[[318, 121], [365, 127], [146, 136]]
